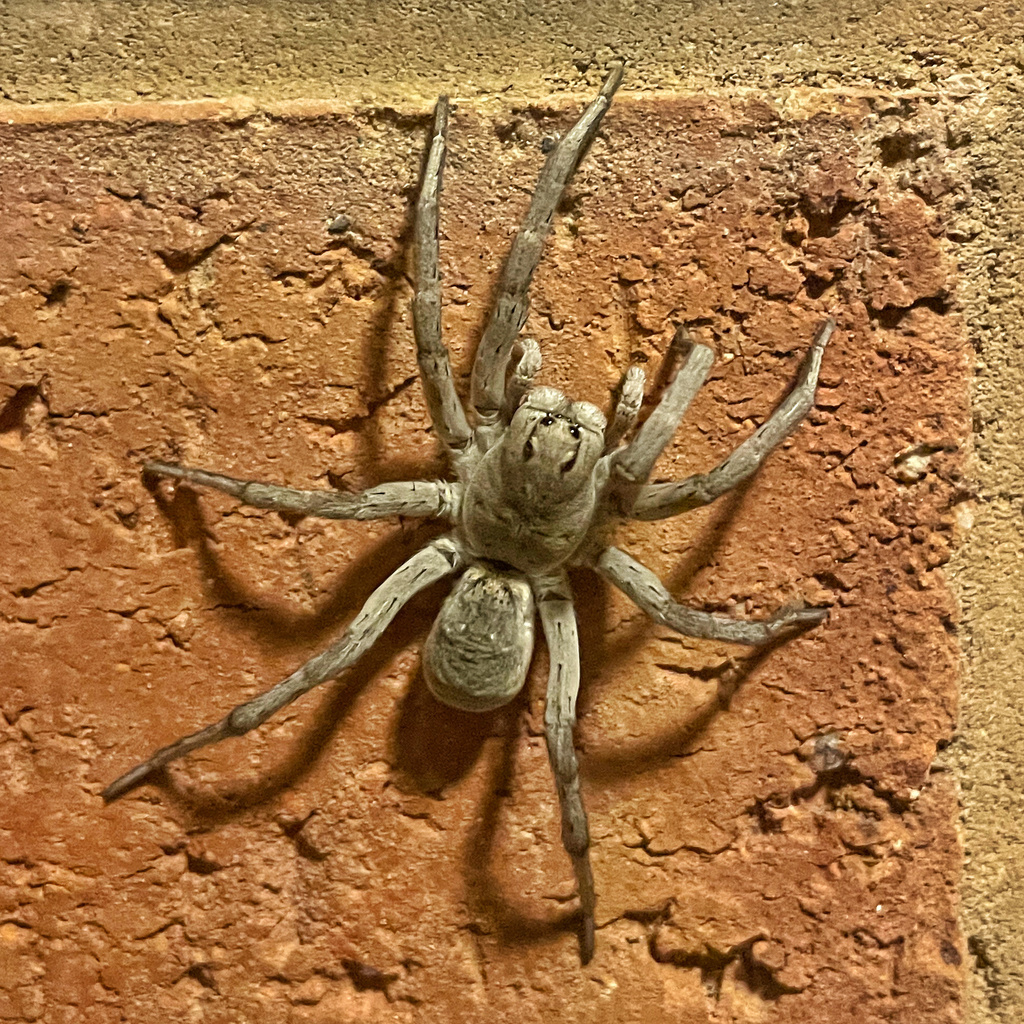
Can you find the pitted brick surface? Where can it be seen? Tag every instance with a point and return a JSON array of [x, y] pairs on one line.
[[170, 289]]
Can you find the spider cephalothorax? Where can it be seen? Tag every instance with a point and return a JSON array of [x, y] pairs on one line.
[[530, 498], [539, 478]]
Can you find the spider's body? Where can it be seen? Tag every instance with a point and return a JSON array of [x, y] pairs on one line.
[[527, 506], [539, 479]]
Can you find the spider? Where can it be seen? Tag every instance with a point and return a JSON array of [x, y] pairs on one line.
[[539, 480]]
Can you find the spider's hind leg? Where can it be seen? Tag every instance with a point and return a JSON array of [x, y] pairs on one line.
[[644, 588], [439, 559], [559, 621]]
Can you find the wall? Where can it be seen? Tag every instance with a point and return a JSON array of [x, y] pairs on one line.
[[170, 290]]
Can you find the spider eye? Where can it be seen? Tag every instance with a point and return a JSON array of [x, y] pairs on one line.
[[547, 421], [574, 432]]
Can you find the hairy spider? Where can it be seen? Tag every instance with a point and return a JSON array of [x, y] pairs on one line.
[[539, 479]]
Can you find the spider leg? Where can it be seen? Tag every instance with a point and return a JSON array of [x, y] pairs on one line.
[[513, 301], [639, 584], [438, 559], [559, 621], [423, 498], [525, 368], [446, 411], [658, 501], [627, 408], [633, 464]]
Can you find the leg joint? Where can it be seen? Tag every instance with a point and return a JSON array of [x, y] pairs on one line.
[[241, 720]]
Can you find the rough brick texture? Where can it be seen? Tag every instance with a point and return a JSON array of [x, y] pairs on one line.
[[168, 288]]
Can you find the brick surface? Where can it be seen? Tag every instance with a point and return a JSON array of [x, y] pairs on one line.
[[168, 288]]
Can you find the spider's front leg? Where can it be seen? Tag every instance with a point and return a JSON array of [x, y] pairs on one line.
[[440, 558], [487, 390], [525, 366], [558, 618], [633, 464], [446, 411], [627, 408]]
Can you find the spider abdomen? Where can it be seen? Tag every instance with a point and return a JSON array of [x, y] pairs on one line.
[[479, 649]]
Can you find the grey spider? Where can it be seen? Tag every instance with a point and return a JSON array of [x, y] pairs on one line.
[[539, 480]]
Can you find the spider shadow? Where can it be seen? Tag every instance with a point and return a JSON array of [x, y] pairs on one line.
[[488, 900], [487, 897], [278, 628], [433, 746], [420, 760], [375, 349], [596, 648], [611, 763], [276, 625]]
